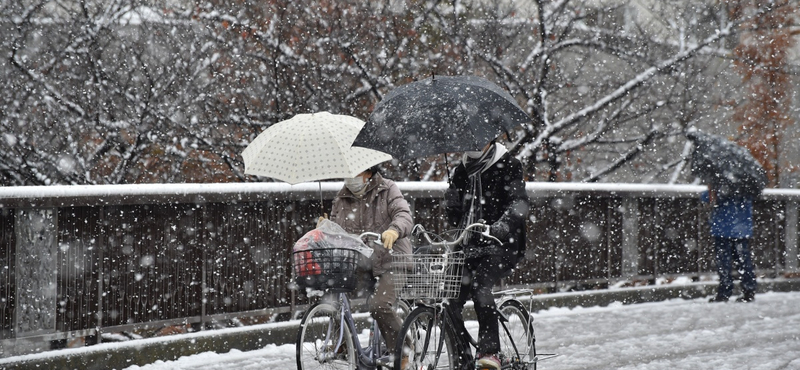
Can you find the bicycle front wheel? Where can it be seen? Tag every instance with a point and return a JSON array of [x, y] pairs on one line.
[[424, 342], [517, 340], [323, 342], [402, 308]]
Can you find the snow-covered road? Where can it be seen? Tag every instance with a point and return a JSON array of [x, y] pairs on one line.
[[675, 334]]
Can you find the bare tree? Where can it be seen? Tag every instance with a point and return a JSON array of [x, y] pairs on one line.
[[128, 91], [103, 92], [608, 86]]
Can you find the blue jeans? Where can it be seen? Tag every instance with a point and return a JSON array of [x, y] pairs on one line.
[[727, 250]]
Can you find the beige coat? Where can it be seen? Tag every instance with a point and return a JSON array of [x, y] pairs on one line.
[[381, 208]]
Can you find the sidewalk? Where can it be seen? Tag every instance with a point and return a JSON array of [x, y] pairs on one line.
[[146, 351]]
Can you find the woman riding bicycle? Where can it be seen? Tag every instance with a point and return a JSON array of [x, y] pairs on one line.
[[370, 203], [487, 187]]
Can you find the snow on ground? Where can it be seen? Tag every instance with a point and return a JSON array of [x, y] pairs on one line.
[[676, 334]]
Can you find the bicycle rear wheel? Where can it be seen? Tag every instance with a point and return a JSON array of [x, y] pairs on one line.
[[431, 344], [323, 342], [517, 341]]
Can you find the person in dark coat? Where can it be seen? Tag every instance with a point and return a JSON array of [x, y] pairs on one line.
[[731, 224], [488, 187]]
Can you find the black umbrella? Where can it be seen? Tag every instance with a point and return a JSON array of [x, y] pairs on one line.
[[727, 167], [440, 114]]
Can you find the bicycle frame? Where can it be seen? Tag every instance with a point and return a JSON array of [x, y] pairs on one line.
[[445, 315], [368, 357], [333, 337]]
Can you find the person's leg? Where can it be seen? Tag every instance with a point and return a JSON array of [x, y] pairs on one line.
[[457, 305], [381, 306], [747, 269], [724, 249], [487, 273]]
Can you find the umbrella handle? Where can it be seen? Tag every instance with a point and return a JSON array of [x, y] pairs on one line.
[[321, 207], [446, 168]]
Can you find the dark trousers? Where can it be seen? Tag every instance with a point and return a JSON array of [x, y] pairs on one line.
[[480, 275], [728, 251]]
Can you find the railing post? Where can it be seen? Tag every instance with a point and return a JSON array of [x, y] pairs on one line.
[[100, 274], [610, 208], [791, 237], [204, 262], [35, 271], [630, 237], [701, 244]]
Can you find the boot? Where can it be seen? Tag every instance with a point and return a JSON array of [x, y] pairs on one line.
[[718, 298], [747, 296], [488, 362]]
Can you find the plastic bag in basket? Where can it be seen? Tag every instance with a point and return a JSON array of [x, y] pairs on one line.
[[325, 239]]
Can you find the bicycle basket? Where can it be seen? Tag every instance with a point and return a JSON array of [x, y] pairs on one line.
[[326, 268], [427, 275]]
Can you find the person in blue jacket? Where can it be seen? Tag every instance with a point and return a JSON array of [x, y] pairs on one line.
[[731, 224]]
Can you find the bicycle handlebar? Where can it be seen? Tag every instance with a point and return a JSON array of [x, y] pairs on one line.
[[368, 233], [371, 234], [464, 233]]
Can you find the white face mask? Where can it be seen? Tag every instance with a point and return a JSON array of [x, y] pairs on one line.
[[355, 184]]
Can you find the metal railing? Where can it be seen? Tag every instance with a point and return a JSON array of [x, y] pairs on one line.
[[85, 260]]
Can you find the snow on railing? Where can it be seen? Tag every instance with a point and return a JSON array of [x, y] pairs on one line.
[[191, 193]]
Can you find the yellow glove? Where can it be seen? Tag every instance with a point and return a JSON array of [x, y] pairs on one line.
[[323, 217], [389, 237]]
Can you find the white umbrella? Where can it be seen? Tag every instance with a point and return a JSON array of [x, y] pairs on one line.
[[310, 147]]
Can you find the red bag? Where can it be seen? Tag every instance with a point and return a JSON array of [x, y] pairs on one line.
[[304, 263]]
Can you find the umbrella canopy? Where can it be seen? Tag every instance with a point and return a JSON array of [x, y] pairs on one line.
[[440, 114], [726, 166], [310, 147]]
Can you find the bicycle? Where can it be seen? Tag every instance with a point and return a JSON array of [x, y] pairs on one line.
[[327, 337], [428, 337]]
